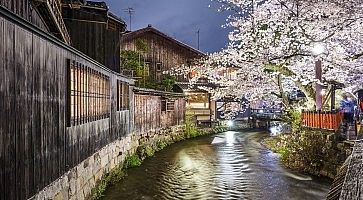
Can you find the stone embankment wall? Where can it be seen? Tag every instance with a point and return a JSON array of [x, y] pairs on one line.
[[79, 181]]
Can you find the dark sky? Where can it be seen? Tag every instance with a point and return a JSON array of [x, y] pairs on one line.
[[179, 19]]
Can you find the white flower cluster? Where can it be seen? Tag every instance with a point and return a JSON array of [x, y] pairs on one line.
[[284, 33]]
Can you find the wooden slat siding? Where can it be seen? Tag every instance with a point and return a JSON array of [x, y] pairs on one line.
[[2, 108], [25, 10], [36, 122], [21, 126], [322, 120], [35, 145], [28, 147], [94, 39], [113, 107], [148, 114], [9, 99], [162, 50]]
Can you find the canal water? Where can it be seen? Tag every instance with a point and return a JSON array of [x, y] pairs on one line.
[[230, 165]]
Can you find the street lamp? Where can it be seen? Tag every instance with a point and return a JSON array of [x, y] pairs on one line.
[[318, 49]]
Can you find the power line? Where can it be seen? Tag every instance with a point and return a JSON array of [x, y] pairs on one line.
[[130, 11]]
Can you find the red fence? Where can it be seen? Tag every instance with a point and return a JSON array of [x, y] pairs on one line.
[[322, 120]]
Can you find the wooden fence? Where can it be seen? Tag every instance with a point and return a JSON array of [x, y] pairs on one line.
[[157, 110], [322, 120]]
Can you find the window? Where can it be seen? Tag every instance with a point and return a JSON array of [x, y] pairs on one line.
[[88, 95], [170, 105], [147, 69], [163, 104], [167, 104], [123, 96], [158, 67]]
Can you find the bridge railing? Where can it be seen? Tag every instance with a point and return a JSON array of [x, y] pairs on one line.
[[266, 113], [330, 120]]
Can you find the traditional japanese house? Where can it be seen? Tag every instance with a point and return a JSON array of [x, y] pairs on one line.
[[162, 52], [58, 106], [94, 30], [159, 53], [45, 14]]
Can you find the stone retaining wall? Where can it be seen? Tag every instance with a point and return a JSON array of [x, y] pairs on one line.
[[79, 181]]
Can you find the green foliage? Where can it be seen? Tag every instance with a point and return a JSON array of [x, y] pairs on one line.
[[191, 129], [108, 180], [284, 153], [97, 193], [142, 46], [131, 60], [308, 151], [133, 161], [161, 145], [293, 117], [149, 151], [296, 120], [168, 82]]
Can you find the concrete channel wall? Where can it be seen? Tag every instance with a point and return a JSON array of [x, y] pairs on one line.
[[79, 181]]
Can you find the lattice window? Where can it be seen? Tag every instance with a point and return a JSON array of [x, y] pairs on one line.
[[123, 96], [167, 104], [170, 105], [88, 95]]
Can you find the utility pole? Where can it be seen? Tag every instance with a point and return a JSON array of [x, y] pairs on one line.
[[130, 11], [198, 33]]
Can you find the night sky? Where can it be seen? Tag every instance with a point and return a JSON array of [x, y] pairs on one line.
[[179, 19]]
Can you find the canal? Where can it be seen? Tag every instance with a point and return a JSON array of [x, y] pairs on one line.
[[229, 165]]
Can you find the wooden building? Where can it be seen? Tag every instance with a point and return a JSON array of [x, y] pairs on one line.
[[164, 52], [94, 30], [155, 109], [58, 106], [45, 14]]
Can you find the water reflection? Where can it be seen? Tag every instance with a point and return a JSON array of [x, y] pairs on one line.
[[231, 165]]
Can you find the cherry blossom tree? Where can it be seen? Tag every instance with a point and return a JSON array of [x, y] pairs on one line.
[[281, 35]]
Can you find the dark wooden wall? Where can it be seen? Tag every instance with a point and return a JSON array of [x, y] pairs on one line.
[[149, 114], [36, 146], [161, 50], [25, 10], [92, 34]]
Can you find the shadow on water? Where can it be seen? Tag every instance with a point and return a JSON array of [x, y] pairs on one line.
[[230, 165]]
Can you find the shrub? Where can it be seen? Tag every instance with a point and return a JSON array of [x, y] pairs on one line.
[[307, 151], [133, 161], [149, 151]]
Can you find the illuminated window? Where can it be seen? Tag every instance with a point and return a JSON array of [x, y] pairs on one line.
[[88, 95], [123, 96]]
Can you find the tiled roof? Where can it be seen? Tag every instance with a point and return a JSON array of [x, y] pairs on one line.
[[195, 87], [137, 33]]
